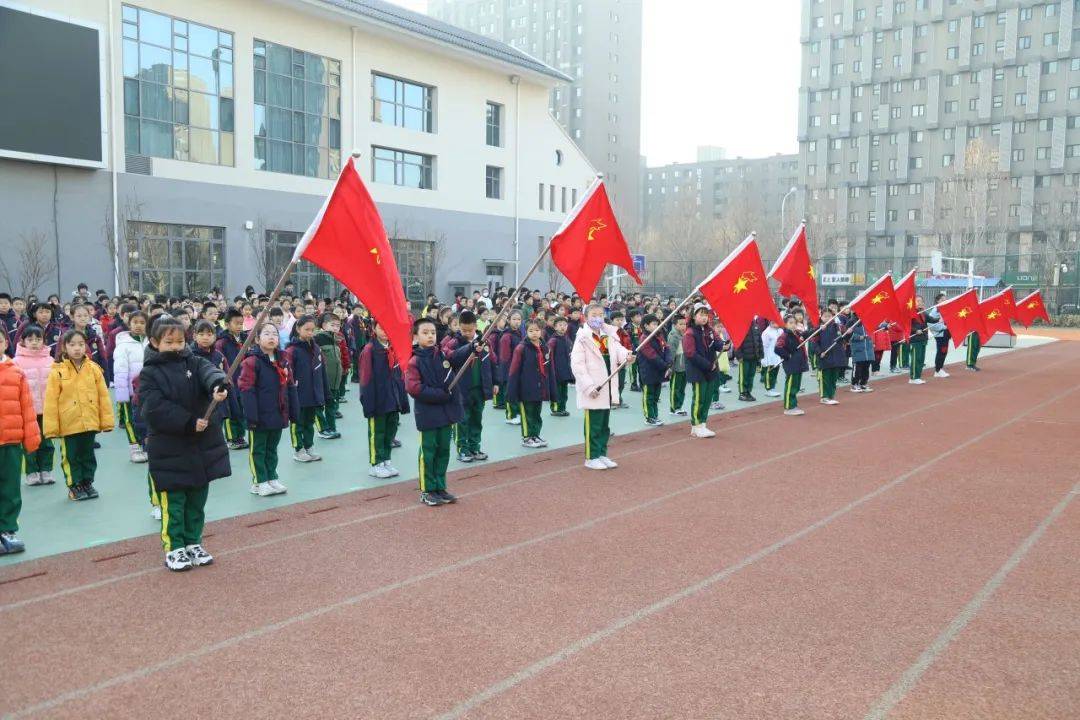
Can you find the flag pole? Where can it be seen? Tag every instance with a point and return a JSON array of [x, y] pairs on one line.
[[250, 339], [843, 335]]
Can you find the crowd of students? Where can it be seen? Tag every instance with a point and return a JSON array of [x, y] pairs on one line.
[[184, 406]]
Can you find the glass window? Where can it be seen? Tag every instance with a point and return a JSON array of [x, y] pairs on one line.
[[297, 111], [494, 124], [164, 58], [401, 103], [175, 259], [280, 246], [493, 182], [399, 167]]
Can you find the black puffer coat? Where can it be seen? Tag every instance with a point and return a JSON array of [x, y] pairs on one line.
[[174, 392]]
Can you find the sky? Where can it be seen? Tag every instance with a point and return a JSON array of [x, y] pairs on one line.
[[715, 72]]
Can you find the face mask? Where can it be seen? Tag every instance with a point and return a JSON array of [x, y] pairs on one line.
[[596, 323]]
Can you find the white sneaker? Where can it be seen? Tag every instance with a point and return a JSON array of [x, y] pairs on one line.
[[313, 456], [540, 442], [155, 512], [725, 388], [277, 486], [198, 555], [608, 461], [855, 388], [795, 411], [701, 431], [529, 443], [513, 421], [916, 381], [868, 389], [379, 471], [941, 374], [263, 489], [138, 455], [33, 479], [178, 560], [829, 401], [47, 478], [717, 406], [772, 393], [595, 464], [302, 456], [394, 472]]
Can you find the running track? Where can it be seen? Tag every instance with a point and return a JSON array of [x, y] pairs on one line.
[[908, 554]]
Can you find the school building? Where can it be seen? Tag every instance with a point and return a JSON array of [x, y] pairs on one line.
[[171, 146]]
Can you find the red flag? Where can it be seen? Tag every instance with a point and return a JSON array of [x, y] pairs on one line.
[[996, 312], [738, 291], [796, 273], [348, 240], [961, 316], [905, 300], [588, 240], [877, 304], [1031, 308]]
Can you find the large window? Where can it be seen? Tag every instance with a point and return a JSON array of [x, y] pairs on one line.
[[416, 261], [297, 111], [493, 182], [398, 167], [178, 88], [175, 260], [280, 246], [494, 124], [401, 103]]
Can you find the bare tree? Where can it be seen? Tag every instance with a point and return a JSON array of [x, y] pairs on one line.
[[269, 261], [971, 203], [33, 264], [131, 210]]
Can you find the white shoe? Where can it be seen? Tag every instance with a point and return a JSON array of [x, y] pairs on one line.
[[772, 393], [155, 512], [138, 455], [379, 471], [717, 406], [33, 479], [178, 560], [868, 389], [701, 431], [916, 381], [725, 389], [829, 401], [513, 421], [595, 464], [47, 478], [277, 486], [795, 411], [608, 461], [855, 389], [313, 456], [394, 472], [302, 456], [941, 374], [198, 555], [263, 489]]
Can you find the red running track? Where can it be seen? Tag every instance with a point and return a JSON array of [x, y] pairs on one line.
[[908, 554]]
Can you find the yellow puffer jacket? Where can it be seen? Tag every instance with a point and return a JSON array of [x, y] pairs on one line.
[[76, 400]]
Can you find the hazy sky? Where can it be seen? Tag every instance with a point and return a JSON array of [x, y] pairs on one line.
[[715, 72]]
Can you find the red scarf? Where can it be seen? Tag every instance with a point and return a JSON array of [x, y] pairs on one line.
[[541, 366]]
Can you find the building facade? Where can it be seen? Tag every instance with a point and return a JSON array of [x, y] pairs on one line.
[[598, 44], [950, 124], [224, 126]]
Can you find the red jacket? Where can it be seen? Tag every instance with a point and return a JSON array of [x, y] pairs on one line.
[[896, 333], [882, 341], [346, 357], [624, 338]]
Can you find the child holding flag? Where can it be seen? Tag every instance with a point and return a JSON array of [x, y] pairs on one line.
[[653, 369], [832, 357], [527, 384], [309, 370], [327, 340], [383, 399], [700, 346], [269, 403], [561, 374], [229, 342], [511, 338], [596, 350], [917, 343], [677, 385], [770, 361], [477, 387], [795, 362]]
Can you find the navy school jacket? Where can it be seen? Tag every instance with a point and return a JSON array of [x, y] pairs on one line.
[[527, 380], [450, 345], [654, 361], [382, 388], [212, 356], [268, 391], [700, 345], [559, 347], [426, 379], [309, 369], [918, 328], [794, 357], [507, 343], [835, 358]]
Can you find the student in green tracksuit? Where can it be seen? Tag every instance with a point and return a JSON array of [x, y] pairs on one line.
[[559, 345], [326, 339], [477, 387], [974, 344], [917, 343], [383, 399], [270, 402], [677, 385]]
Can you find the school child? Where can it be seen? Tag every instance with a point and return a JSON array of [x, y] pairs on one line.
[[596, 351], [358, 332], [229, 342], [574, 323], [383, 399], [917, 343], [270, 403], [9, 322], [34, 360], [634, 333], [82, 320], [437, 408], [700, 347], [936, 327], [119, 325], [677, 385], [494, 342], [20, 436], [527, 384], [896, 339], [723, 362], [309, 373], [795, 362], [44, 316], [77, 407], [477, 387], [862, 355], [831, 357], [127, 363], [326, 339], [561, 373], [974, 344], [654, 367], [881, 341], [347, 357], [770, 361], [509, 341], [186, 451], [749, 355], [618, 320]]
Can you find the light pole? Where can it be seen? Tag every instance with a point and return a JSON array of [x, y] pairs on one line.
[[782, 204]]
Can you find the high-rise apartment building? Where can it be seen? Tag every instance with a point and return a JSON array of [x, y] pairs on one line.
[[598, 44], [941, 123]]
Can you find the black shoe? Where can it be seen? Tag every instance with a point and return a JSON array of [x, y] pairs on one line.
[[446, 497], [479, 456], [97, 445], [342, 401], [77, 492], [431, 499], [465, 457], [635, 387], [560, 413], [395, 443], [338, 415], [499, 407], [745, 397], [91, 493]]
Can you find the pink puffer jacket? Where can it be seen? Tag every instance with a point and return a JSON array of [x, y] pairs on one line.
[[35, 365]]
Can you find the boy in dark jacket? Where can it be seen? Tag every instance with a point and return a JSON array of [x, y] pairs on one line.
[[832, 357], [494, 343], [561, 373], [700, 346], [185, 451], [383, 399], [437, 408], [511, 338], [527, 384], [326, 339], [309, 374], [270, 403], [654, 361], [917, 343], [795, 362], [229, 342], [749, 354], [477, 387]]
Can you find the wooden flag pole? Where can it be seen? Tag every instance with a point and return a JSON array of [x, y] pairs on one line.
[[842, 336], [259, 320]]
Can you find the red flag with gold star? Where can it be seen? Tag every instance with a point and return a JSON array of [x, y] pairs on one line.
[[796, 273], [588, 240], [348, 240], [877, 304], [961, 316], [1030, 309], [905, 299], [997, 311], [738, 291]]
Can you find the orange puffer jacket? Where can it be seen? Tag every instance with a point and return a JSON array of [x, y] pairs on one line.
[[18, 421]]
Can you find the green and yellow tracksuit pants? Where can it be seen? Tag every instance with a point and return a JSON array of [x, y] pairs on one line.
[[77, 459], [827, 382], [650, 400], [11, 462], [183, 516], [435, 457], [597, 433], [380, 432], [918, 359], [42, 459], [677, 389], [792, 385], [235, 429], [974, 344], [769, 376], [127, 421], [263, 454], [701, 394], [562, 392], [747, 369], [326, 416], [532, 419], [471, 427], [302, 432]]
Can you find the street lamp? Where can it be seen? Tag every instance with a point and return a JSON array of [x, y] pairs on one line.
[[782, 204]]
